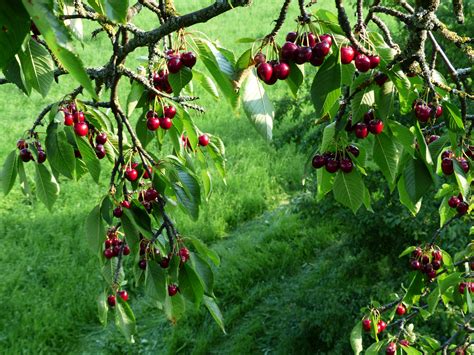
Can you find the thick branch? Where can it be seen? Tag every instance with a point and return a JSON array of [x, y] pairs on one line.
[[280, 20]]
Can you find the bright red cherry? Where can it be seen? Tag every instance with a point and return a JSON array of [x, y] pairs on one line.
[[125, 204], [347, 54], [184, 254], [447, 166], [151, 195], [188, 59], [172, 290], [303, 55], [321, 49], [101, 138], [288, 51], [126, 250], [100, 151], [78, 116], [326, 38], [437, 255], [453, 201], [153, 123], [281, 70], [81, 129], [374, 61], [174, 65], [131, 174], [68, 119], [169, 111], [123, 295], [316, 61], [391, 349], [375, 126], [361, 130], [204, 140], [111, 300], [362, 63], [404, 343], [422, 113], [401, 310], [291, 36], [462, 287], [381, 325], [165, 123], [108, 253], [366, 324], [265, 71]]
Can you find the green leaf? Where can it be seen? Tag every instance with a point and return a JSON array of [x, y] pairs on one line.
[[463, 183], [187, 190], [348, 189], [364, 99], [356, 338], [326, 87], [410, 350], [215, 312], [328, 136], [422, 146], [131, 231], [116, 10], [295, 79], [57, 38], [9, 171], [60, 152], [125, 319], [203, 249], [206, 83], [24, 184], [136, 92], [452, 117], [403, 86], [204, 271], [405, 199], [89, 157], [190, 285], [374, 348], [37, 66], [407, 251], [257, 106], [95, 229], [174, 307], [445, 211], [387, 157], [325, 182], [155, 281], [47, 189], [417, 179], [103, 308], [14, 74], [15, 25], [433, 300], [414, 290], [245, 60], [385, 100], [179, 80]]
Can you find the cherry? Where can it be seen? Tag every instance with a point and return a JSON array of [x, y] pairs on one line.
[[436, 264], [101, 138], [291, 36], [346, 165], [131, 174], [169, 111], [111, 300], [145, 173], [68, 119], [151, 195], [374, 61], [353, 150], [303, 55], [107, 243], [126, 250], [307, 39], [332, 165], [151, 114], [375, 126], [347, 54], [316, 61], [415, 265], [462, 287], [142, 264], [81, 129], [437, 255], [326, 38], [453, 201], [404, 343], [464, 165], [189, 59], [41, 157], [369, 116], [321, 49], [401, 310], [447, 154], [100, 151], [259, 58], [165, 262], [366, 324], [417, 253], [318, 161], [172, 290], [381, 79], [422, 113], [125, 204], [166, 123], [362, 63], [265, 71], [439, 111], [25, 155], [78, 116], [108, 253], [425, 259], [361, 130], [281, 70], [123, 295], [447, 166], [118, 212], [21, 144], [462, 208], [288, 51], [433, 138], [459, 351], [272, 80], [391, 349], [184, 254], [381, 325], [153, 123], [204, 140], [174, 65]]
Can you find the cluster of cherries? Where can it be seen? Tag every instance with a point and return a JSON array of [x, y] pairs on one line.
[[447, 163], [25, 153], [153, 121], [424, 111], [459, 204], [367, 325], [146, 198], [391, 348], [428, 261], [113, 245], [362, 62], [335, 161], [176, 61], [112, 300], [462, 286], [370, 124]]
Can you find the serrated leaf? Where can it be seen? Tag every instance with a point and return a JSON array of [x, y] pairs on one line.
[[326, 87], [325, 181], [245, 60], [405, 199], [89, 157], [9, 172], [387, 157], [95, 229], [60, 152], [155, 281], [204, 272], [364, 99], [125, 319], [136, 92], [190, 285], [24, 184], [206, 83], [15, 25], [47, 189], [417, 179], [215, 312], [295, 79], [14, 74], [385, 100], [452, 116], [329, 133], [257, 106], [180, 79], [348, 189], [461, 179], [203, 249]]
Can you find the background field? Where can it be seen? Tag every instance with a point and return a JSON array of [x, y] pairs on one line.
[[294, 274]]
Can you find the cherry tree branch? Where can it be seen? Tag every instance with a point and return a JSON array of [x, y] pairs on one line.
[[280, 20]]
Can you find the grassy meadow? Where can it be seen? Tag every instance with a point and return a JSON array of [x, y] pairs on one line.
[[292, 277]]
